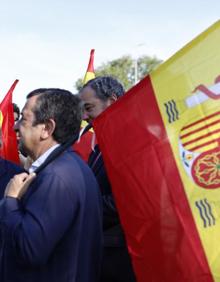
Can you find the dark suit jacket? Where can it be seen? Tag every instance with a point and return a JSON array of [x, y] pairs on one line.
[[113, 234], [116, 263], [7, 171], [55, 232]]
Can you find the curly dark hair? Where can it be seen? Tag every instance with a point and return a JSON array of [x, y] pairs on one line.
[[61, 106], [105, 87]]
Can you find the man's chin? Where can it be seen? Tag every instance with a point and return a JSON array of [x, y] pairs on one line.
[[22, 150]]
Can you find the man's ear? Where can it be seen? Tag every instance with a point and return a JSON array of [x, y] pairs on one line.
[[48, 129], [113, 98]]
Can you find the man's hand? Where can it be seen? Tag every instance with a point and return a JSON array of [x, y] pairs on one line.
[[19, 184]]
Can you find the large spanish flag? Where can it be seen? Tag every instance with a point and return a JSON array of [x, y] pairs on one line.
[[9, 150], [160, 144]]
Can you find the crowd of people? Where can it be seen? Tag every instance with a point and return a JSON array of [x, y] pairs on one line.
[[61, 224]]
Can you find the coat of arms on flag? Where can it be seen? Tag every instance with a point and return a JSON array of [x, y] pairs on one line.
[[199, 139]]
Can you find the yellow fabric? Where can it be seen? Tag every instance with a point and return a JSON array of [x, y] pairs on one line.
[[1, 119], [88, 76], [84, 124]]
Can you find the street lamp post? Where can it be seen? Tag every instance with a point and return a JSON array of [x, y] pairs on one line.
[[136, 77]]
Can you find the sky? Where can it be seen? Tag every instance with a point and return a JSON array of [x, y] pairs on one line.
[[46, 43]]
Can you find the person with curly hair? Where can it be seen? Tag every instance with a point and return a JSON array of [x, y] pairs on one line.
[[97, 95]]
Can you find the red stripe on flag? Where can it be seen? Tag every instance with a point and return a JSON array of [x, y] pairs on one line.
[[199, 129], [201, 137], [193, 149], [161, 234], [91, 61], [200, 120], [9, 149]]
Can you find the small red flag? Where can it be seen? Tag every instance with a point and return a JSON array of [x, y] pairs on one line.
[[9, 150], [90, 73], [83, 146]]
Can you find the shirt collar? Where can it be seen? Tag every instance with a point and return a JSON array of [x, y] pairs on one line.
[[42, 158]]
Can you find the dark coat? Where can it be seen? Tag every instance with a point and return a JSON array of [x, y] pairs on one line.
[[116, 263], [7, 171], [113, 234], [54, 233]]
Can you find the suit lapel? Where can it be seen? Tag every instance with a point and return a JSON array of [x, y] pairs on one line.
[[95, 160]]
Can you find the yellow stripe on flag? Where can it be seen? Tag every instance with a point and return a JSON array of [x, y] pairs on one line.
[[88, 76]]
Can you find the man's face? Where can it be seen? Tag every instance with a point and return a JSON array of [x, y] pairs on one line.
[[29, 136], [93, 106]]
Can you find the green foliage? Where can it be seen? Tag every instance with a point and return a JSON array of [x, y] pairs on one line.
[[79, 83], [146, 65], [124, 69]]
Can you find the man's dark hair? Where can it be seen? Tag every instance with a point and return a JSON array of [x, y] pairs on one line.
[[16, 110], [105, 87], [61, 106]]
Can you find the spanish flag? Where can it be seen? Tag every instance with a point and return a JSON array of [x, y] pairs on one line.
[[9, 149], [90, 73], [83, 146], [161, 146]]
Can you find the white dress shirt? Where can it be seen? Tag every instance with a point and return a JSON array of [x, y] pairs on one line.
[[42, 158]]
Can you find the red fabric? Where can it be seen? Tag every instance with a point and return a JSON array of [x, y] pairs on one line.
[[9, 149], [91, 61], [83, 148], [161, 234]]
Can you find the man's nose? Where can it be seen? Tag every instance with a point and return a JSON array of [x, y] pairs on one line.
[[16, 126]]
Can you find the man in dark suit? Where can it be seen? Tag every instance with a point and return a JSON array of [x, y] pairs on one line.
[[50, 225], [97, 95]]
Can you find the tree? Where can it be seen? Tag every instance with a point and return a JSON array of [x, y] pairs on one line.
[[124, 69], [146, 64]]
